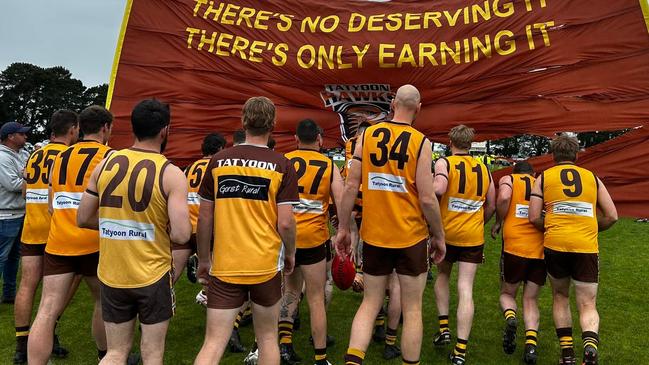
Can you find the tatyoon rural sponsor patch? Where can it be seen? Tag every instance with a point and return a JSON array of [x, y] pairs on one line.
[[522, 211], [127, 230], [464, 205], [66, 200], [583, 209], [387, 182], [36, 196]]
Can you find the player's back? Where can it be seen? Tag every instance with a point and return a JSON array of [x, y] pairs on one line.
[[68, 179], [392, 215], [195, 173], [520, 237], [570, 198], [315, 174], [462, 204], [133, 218], [37, 175]]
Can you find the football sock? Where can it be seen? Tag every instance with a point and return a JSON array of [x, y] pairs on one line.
[[237, 321], [509, 313], [443, 324], [285, 333], [22, 335], [590, 338], [390, 336], [565, 341], [247, 311], [531, 337], [380, 319], [408, 362], [460, 348], [354, 357], [321, 356]]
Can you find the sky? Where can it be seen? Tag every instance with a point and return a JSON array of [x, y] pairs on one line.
[[79, 35]]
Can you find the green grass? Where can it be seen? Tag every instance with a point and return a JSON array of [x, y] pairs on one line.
[[622, 306]]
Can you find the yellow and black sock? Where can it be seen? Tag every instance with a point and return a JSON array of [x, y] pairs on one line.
[[565, 341], [354, 357], [237, 320], [443, 324], [247, 311], [380, 319], [408, 362], [509, 314], [390, 336], [590, 338], [22, 335], [285, 333], [531, 337], [460, 348], [321, 356]]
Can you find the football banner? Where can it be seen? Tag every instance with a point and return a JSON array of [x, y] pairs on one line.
[[504, 67]]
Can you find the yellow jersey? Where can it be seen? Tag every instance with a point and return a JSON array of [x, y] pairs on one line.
[[520, 237], [37, 176], [315, 174], [134, 245], [570, 202], [68, 179], [247, 183], [392, 216], [462, 205], [195, 174]]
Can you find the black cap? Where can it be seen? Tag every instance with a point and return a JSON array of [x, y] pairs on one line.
[[12, 127]]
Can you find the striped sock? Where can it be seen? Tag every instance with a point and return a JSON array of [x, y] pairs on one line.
[[509, 313], [248, 310], [237, 321], [285, 332], [408, 362], [443, 324], [321, 356], [22, 335], [590, 338], [460, 348], [390, 336], [531, 337], [380, 319], [354, 357], [565, 341]]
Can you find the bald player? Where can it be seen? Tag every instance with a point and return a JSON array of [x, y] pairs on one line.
[[400, 214], [570, 196], [467, 202], [71, 250]]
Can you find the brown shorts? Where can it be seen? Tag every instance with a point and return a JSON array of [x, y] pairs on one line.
[[472, 255], [310, 256], [514, 269], [582, 267], [151, 304], [189, 245], [85, 265], [411, 261], [222, 295], [329, 250], [37, 249]]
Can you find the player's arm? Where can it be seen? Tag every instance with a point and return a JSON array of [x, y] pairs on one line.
[[441, 177], [502, 203], [428, 202], [490, 201], [337, 186], [88, 211], [606, 206], [535, 212], [175, 187], [352, 184]]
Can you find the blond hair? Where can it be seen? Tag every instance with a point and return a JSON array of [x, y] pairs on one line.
[[564, 148], [258, 116], [461, 136]]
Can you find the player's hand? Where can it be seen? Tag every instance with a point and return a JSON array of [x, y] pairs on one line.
[[437, 249], [495, 229], [203, 273], [289, 263], [343, 242]]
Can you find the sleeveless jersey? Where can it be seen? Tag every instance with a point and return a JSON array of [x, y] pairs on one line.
[[37, 177], [246, 183], [69, 178], [461, 205], [134, 245], [520, 236], [315, 174], [392, 216], [570, 199], [195, 174]]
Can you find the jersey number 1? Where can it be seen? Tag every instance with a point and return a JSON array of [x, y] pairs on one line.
[[462, 185]]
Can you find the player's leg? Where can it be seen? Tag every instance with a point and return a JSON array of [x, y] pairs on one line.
[[153, 342], [180, 261], [412, 291], [51, 306], [264, 322], [30, 277], [442, 293], [562, 316], [586, 298], [288, 308], [315, 276], [119, 338], [98, 329], [391, 350], [156, 305], [531, 318], [512, 270], [465, 307]]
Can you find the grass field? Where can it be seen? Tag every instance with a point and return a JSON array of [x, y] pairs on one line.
[[623, 304]]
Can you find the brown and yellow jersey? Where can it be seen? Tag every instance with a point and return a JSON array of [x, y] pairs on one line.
[[68, 179], [520, 236], [134, 245], [462, 204], [37, 177], [315, 174], [246, 184], [392, 216], [195, 174], [570, 202]]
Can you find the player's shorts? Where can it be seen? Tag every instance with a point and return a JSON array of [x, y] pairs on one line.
[[582, 267], [411, 261], [152, 304], [329, 250], [85, 265], [222, 295], [189, 245], [28, 249], [515, 269], [310, 256], [473, 255]]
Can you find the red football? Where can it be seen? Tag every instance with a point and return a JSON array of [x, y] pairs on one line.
[[343, 272]]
